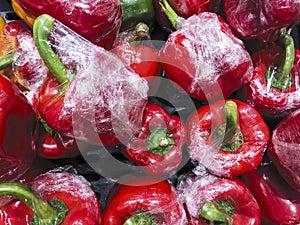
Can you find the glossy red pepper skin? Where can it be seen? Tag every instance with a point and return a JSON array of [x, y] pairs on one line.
[[158, 198], [254, 18], [201, 127], [155, 117], [141, 59], [73, 190], [279, 203], [98, 21], [17, 133], [194, 190], [271, 102], [205, 58], [284, 149]]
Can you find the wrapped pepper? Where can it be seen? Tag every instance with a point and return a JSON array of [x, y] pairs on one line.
[[228, 137], [135, 11], [144, 201], [274, 87], [17, 132], [158, 145], [204, 57], [98, 21], [279, 203], [24, 66], [142, 59], [284, 149], [51, 198], [90, 94], [213, 200], [254, 18]]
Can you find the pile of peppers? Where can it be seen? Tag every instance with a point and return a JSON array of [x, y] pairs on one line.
[[152, 112]]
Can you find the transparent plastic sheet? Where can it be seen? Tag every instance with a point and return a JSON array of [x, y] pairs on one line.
[[103, 90], [197, 187], [206, 52]]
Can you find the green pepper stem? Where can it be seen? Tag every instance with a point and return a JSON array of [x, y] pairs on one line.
[[141, 218], [221, 211], [45, 213], [230, 112], [42, 28], [171, 14], [160, 141], [281, 78], [228, 136], [141, 30], [7, 60]]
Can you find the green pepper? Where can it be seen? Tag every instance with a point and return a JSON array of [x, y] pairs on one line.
[[135, 11]]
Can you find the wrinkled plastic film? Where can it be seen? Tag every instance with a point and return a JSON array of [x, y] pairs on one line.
[[104, 94]]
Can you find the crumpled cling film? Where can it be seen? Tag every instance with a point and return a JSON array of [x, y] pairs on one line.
[[197, 187], [104, 93], [204, 51]]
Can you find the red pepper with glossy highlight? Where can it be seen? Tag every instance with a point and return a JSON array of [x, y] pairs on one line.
[[213, 200], [228, 137], [144, 201], [274, 88], [158, 145], [17, 133], [51, 198], [98, 21], [284, 149], [255, 18], [279, 203], [204, 57]]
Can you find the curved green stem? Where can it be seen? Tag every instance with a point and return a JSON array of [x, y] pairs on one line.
[[160, 141], [141, 218], [232, 136], [171, 14], [45, 214], [281, 76], [42, 28], [7, 60], [141, 30], [221, 212]]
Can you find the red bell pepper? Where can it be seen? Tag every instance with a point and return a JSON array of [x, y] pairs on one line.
[[274, 88], [254, 18], [158, 145], [90, 95], [52, 198], [98, 21], [17, 131], [284, 149], [144, 202], [279, 203], [213, 200], [228, 137], [204, 57], [24, 67], [141, 58]]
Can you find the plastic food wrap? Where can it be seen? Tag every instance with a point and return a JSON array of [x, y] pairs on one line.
[[103, 96], [155, 201], [284, 149], [207, 144], [205, 58], [253, 18], [230, 197], [99, 20]]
